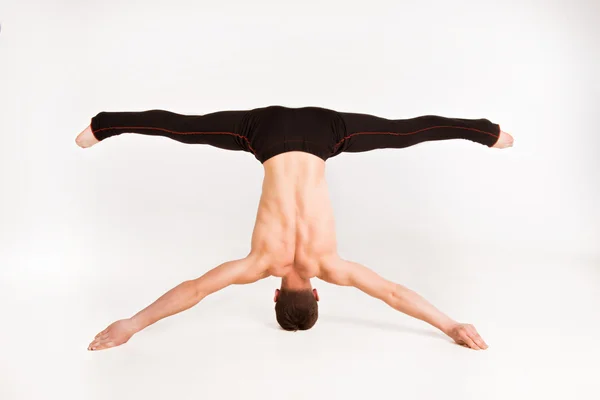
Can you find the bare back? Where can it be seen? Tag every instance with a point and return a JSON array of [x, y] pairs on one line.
[[295, 218]]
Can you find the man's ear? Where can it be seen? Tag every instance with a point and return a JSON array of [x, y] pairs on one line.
[[276, 295], [316, 294]]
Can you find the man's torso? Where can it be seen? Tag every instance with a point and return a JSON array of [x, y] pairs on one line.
[[295, 219]]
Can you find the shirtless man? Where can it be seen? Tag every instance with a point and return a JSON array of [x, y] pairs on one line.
[[294, 235]]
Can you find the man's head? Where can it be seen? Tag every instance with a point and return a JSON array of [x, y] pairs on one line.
[[296, 309]]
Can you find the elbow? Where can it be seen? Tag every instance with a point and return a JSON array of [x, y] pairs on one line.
[[193, 291], [395, 295]]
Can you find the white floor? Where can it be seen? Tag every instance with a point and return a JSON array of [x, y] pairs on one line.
[[538, 313]]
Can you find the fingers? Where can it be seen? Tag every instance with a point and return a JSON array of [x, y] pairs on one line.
[[476, 338], [105, 345], [469, 342], [102, 346], [100, 336], [468, 336], [94, 344], [102, 341], [479, 342], [101, 333]]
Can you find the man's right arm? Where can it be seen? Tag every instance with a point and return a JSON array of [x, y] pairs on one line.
[[180, 298], [189, 293]]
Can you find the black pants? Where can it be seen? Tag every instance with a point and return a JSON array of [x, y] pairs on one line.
[[266, 132]]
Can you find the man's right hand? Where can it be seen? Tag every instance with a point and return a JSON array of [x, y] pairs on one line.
[[115, 334], [183, 296]]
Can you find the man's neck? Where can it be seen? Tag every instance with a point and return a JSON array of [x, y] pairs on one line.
[[292, 281]]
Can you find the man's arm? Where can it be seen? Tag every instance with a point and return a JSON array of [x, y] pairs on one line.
[[180, 298], [348, 273]]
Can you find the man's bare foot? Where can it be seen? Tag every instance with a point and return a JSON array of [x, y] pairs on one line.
[[466, 335], [86, 138], [116, 334], [505, 140]]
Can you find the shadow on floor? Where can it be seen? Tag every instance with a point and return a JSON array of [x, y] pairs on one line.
[[348, 320], [362, 322]]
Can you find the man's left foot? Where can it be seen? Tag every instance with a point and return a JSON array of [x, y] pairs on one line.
[[504, 140], [86, 138]]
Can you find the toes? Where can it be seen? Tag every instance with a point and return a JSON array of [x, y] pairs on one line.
[[504, 140], [508, 139], [86, 138]]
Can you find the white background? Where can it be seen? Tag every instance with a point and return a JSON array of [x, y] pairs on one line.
[[505, 239]]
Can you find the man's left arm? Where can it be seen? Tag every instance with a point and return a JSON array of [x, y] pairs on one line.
[[348, 273]]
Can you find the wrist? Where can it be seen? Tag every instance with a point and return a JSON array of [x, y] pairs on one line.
[[446, 325], [136, 324]]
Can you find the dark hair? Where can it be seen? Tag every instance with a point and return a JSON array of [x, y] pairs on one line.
[[296, 310]]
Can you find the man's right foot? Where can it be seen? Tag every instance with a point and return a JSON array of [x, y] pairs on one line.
[[86, 138], [505, 140]]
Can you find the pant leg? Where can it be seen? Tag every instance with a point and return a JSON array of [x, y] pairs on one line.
[[222, 129], [365, 132]]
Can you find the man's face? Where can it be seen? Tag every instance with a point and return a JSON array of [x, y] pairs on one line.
[[277, 291]]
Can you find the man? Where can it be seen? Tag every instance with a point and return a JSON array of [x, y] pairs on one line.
[[294, 235]]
